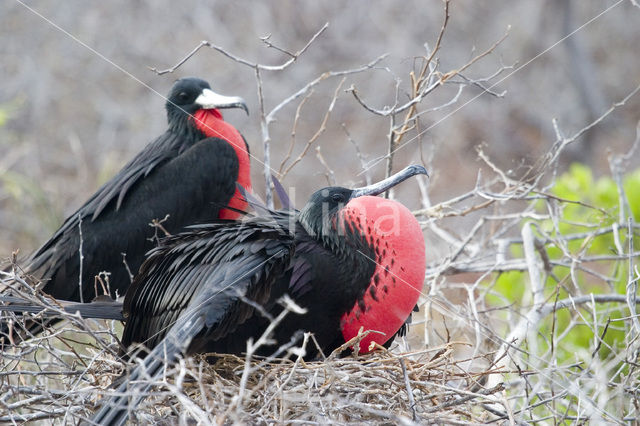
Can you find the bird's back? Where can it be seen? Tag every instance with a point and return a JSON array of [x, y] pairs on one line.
[[223, 271], [174, 184]]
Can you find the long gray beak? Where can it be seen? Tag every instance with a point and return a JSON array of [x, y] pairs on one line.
[[209, 99], [391, 181]]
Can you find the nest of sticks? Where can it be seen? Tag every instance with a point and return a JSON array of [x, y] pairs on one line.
[[62, 375]]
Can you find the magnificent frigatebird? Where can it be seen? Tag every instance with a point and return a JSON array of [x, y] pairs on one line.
[[188, 175], [349, 258]]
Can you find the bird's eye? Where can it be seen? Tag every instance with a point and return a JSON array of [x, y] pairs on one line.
[[338, 198], [183, 96]]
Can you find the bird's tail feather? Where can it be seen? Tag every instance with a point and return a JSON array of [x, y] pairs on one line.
[[98, 309], [116, 409], [49, 311]]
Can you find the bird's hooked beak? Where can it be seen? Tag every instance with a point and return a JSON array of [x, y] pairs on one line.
[[388, 183], [209, 99]]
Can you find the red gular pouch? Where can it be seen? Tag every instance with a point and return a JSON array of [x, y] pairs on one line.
[[399, 247], [211, 123]]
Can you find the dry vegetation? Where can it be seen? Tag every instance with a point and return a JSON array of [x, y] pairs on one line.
[[529, 310]]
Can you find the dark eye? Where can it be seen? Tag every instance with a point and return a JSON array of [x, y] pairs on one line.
[[338, 198], [183, 96]]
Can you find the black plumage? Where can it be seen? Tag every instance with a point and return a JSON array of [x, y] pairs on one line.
[[186, 175], [214, 287], [203, 270]]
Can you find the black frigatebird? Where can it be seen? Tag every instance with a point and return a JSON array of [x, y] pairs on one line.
[[349, 258], [188, 175]]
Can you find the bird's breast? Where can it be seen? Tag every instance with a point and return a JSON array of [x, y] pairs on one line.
[[210, 122], [396, 284]]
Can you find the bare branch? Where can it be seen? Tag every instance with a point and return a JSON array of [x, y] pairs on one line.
[[242, 61], [296, 118], [317, 134], [561, 143]]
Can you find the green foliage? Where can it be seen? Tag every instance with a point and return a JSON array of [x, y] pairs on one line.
[[585, 206], [579, 185], [4, 116], [632, 190]]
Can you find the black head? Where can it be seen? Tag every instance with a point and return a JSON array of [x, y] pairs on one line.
[[318, 215], [190, 94], [184, 93]]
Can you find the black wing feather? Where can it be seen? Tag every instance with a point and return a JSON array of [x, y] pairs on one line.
[[190, 187], [157, 152], [209, 271]]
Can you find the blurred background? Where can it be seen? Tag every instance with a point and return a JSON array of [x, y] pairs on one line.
[[71, 114]]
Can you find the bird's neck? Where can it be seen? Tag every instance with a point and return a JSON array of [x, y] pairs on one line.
[[210, 122], [345, 240], [183, 126]]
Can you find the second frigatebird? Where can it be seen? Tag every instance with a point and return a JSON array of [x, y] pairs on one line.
[[188, 175], [349, 258]]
